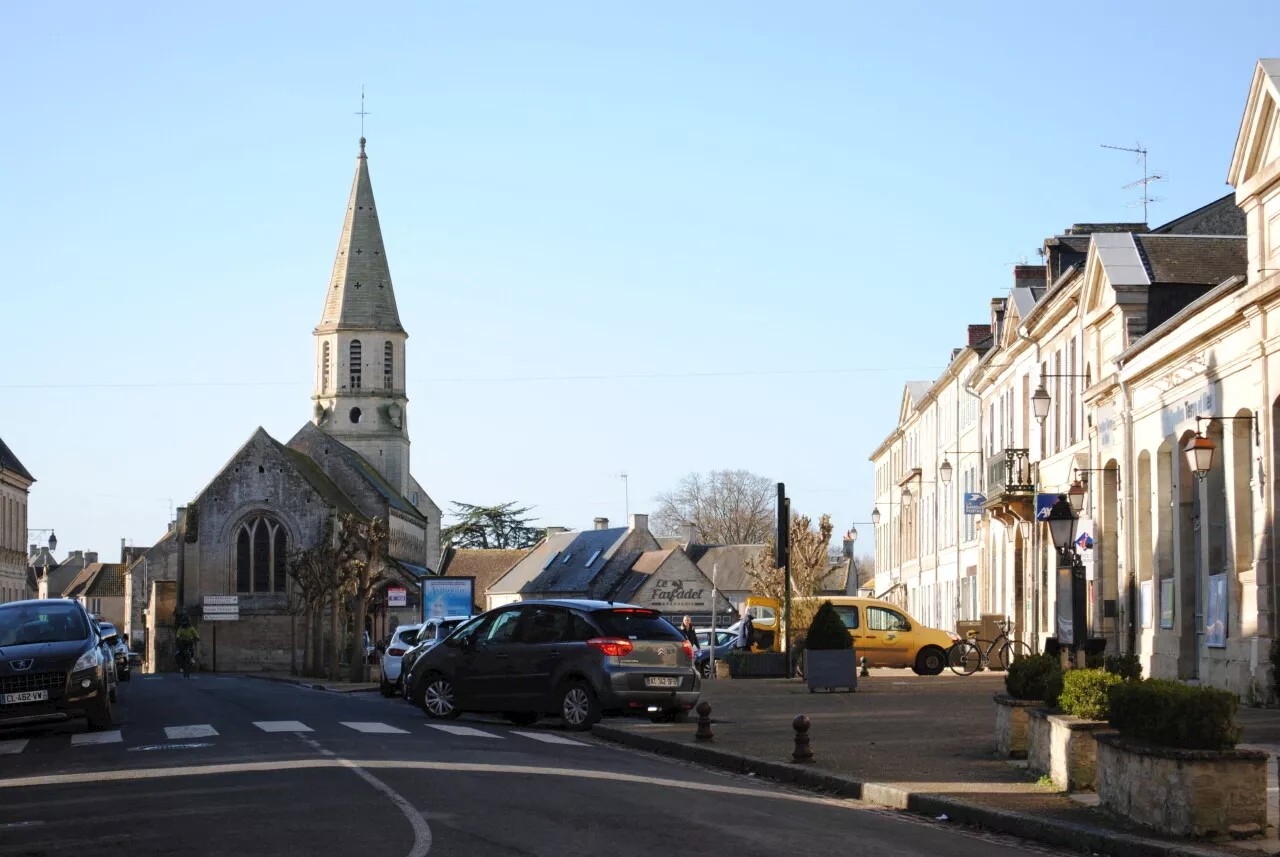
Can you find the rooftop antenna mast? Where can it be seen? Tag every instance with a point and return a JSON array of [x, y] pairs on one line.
[[1145, 181]]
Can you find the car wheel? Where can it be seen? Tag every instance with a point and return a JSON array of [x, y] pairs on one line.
[[384, 687], [438, 698], [521, 718], [579, 708], [101, 716], [930, 661]]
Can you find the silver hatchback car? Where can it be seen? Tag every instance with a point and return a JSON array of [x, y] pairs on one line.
[[572, 658]]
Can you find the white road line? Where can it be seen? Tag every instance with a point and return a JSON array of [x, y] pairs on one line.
[[81, 739], [375, 728], [549, 738], [13, 747], [464, 730], [174, 733], [281, 726]]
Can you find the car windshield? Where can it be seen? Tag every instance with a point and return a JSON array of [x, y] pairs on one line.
[[636, 624], [46, 622]]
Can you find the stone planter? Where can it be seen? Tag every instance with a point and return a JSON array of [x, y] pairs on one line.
[[722, 669], [1201, 793], [1011, 725], [1063, 747], [758, 665], [830, 669]]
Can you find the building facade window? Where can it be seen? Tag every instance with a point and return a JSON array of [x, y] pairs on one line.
[[324, 368], [388, 363], [354, 360], [261, 548]]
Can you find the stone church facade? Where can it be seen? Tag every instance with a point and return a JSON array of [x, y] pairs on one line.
[[272, 498]]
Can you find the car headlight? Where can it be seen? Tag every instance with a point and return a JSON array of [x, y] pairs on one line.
[[87, 661]]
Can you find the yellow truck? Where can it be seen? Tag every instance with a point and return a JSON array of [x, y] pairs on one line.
[[883, 633]]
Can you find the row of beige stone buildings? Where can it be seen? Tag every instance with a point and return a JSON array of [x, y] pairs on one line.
[[1096, 369]]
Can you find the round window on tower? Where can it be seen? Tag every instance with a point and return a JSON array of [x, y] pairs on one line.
[[355, 415]]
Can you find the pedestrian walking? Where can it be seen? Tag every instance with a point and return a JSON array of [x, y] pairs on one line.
[[746, 631], [690, 633]]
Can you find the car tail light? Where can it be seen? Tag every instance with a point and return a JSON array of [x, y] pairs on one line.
[[395, 653], [611, 646], [689, 650]]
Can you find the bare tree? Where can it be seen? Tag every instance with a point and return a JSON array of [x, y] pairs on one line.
[[866, 566], [366, 541], [809, 567], [729, 507]]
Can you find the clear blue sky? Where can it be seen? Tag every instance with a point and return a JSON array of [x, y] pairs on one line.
[[566, 189]]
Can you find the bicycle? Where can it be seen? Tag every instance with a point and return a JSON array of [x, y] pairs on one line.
[[968, 656], [184, 661]]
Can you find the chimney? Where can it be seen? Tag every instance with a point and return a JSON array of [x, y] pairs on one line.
[[90, 557], [847, 548], [555, 531], [602, 523], [978, 332], [34, 550], [640, 522], [690, 533], [1029, 276]]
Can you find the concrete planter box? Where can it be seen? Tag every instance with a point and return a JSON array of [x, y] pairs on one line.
[[758, 665], [1063, 747], [1011, 725], [830, 669], [1200, 793]]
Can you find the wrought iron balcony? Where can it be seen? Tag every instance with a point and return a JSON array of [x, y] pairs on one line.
[[1009, 472]]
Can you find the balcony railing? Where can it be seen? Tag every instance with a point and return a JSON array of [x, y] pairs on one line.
[[1009, 472]]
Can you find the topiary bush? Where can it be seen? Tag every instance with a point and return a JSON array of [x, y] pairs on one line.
[[1053, 688], [1028, 678], [1085, 693], [1169, 714], [827, 631], [1127, 666]]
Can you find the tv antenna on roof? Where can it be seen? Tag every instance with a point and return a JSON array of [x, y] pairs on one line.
[[1145, 181]]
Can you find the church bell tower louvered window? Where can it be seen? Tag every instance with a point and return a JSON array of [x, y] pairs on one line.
[[355, 364]]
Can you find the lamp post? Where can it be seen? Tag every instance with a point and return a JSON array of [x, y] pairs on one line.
[[1062, 522], [53, 538]]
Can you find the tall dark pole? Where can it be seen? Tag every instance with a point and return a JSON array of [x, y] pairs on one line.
[[782, 559]]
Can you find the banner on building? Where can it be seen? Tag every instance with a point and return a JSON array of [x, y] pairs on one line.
[[448, 596], [973, 503], [1201, 404], [1044, 502], [1106, 423]]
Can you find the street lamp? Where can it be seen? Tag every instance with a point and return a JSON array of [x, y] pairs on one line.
[[1062, 523], [1199, 452], [53, 538], [1075, 495], [906, 495], [875, 516], [944, 472], [1040, 403]]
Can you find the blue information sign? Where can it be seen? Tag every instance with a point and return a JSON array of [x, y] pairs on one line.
[[973, 503], [1044, 502]]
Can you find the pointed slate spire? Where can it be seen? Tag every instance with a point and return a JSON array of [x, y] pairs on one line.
[[360, 295]]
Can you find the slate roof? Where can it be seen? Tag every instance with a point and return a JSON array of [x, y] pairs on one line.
[[317, 478], [530, 566], [568, 571], [97, 580], [9, 461], [918, 390], [486, 566], [1192, 259], [640, 566], [1220, 217], [730, 562]]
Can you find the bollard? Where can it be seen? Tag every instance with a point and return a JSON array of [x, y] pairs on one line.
[[866, 673], [801, 753], [704, 722]]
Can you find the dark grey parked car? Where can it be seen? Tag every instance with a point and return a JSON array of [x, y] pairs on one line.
[[53, 665], [119, 650], [571, 658]]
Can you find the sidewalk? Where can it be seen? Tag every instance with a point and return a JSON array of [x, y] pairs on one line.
[[315, 683], [923, 744]]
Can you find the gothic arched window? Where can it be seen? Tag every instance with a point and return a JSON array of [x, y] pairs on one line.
[[324, 368], [387, 365], [261, 548], [355, 364]]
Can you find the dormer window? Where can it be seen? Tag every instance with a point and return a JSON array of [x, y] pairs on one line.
[[550, 560], [594, 557]]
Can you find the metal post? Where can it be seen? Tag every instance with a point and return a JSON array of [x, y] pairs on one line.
[[786, 604], [715, 568], [215, 646]]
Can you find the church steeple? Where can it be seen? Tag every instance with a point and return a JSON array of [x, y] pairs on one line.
[[359, 397], [360, 296]]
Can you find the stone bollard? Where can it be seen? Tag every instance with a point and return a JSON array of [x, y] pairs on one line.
[[704, 722], [801, 753], [866, 673]]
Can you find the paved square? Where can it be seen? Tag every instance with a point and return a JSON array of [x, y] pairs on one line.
[[281, 726]]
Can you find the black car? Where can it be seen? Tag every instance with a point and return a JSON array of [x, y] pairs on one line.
[[571, 658], [119, 649], [53, 665]]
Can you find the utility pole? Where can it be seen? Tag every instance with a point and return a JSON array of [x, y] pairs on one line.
[[782, 559]]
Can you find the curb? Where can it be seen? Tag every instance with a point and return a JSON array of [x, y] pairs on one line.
[[1077, 837], [302, 682]]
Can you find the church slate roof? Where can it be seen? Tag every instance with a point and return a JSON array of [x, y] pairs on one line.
[[317, 478], [360, 296], [9, 461]]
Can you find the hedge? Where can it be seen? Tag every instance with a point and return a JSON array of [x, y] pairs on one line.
[[1028, 678], [1169, 714], [1085, 693]]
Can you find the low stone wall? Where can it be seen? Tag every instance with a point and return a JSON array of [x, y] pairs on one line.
[[1011, 725], [1201, 793], [1063, 747]]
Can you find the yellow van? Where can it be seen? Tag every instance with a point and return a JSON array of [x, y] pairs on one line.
[[882, 632]]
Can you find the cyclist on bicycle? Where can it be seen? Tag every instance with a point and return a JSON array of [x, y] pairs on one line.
[[187, 636]]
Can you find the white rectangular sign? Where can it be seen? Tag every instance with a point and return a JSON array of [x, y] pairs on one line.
[[221, 599], [397, 596], [221, 617], [220, 608]]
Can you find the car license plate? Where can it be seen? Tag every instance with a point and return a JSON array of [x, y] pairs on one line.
[[25, 696], [662, 681]]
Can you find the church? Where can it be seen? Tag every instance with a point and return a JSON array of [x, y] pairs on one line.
[[272, 498]]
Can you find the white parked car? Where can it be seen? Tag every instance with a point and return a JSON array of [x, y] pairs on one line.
[[401, 641], [432, 632]]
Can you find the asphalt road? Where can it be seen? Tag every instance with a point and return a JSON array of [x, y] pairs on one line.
[[224, 765]]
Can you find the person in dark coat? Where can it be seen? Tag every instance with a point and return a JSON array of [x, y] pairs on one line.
[[690, 633], [747, 631]]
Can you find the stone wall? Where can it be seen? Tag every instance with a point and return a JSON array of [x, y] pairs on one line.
[[1011, 725], [1183, 792]]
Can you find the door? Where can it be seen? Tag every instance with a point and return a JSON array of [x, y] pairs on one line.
[[543, 644], [889, 635], [493, 658], [848, 614], [765, 621]]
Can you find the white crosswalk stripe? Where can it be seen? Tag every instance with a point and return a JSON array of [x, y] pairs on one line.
[[16, 745], [281, 726], [464, 730], [375, 728], [549, 738], [174, 733], [82, 739]]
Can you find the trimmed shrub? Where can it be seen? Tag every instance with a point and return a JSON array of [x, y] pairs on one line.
[[1053, 688], [1127, 666], [1084, 693], [827, 632], [1027, 678], [1169, 714]]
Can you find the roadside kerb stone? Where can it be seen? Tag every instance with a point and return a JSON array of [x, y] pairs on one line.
[[1078, 837]]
